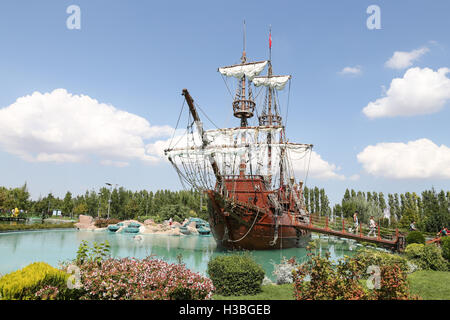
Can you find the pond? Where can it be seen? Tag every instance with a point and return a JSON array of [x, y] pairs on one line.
[[18, 249]]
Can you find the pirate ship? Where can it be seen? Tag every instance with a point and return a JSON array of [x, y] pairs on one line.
[[246, 171]]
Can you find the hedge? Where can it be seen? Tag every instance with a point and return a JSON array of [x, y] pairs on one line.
[[426, 257], [369, 257], [24, 283], [415, 237], [445, 245], [235, 274]]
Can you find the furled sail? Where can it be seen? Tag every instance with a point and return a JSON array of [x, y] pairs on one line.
[[250, 70], [275, 82], [228, 148]]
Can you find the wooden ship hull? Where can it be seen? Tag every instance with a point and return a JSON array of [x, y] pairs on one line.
[[245, 219]]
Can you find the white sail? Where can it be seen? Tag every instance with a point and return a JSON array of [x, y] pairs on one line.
[[228, 148], [250, 70], [275, 82]]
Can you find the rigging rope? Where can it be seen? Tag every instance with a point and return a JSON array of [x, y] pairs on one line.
[[248, 231], [178, 121], [287, 107], [204, 113], [309, 162], [223, 78]]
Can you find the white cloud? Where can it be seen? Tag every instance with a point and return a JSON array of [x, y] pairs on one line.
[[354, 177], [418, 159], [351, 70], [403, 60], [420, 91], [61, 127], [119, 164], [318, 168]]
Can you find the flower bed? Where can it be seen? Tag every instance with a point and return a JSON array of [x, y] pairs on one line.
[[344, 280], [149, 279]]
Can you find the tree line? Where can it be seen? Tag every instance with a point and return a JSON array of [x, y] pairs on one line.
[[117, 203], [430, 210]]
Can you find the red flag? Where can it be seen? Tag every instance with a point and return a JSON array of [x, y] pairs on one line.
[[270, 40]]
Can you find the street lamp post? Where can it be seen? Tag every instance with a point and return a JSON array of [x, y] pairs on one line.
[[110, 193], [109, 200], [73, 206], [98, 211]]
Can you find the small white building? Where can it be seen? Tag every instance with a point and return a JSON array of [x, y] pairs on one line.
[[57, 212]]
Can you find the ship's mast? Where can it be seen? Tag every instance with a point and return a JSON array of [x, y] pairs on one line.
[[266, 116], [270, 115], [243, 104], [201, 132], [269, 134], [240, 114]]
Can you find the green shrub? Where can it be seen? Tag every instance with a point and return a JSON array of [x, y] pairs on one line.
[[415, 237], [394, 285], [445, 245], [97, 253], [143, 218], [103, 223], [235, 274], [369, 257], [328, 281], [426, 257], [24, 283], [177, 212]]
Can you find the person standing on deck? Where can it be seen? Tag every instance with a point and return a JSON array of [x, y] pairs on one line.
[[372, 226], [355, 221]]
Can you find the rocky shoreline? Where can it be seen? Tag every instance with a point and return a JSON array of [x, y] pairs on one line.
[[148, 227]]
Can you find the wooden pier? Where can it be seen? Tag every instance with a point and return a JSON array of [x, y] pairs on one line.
[[388, 238]]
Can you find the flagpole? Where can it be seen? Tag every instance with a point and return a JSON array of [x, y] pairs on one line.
[[270, 42], [244, 38]]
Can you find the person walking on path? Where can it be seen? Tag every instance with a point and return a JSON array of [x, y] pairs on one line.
[[443, 232], [355, 221], [372, 226]]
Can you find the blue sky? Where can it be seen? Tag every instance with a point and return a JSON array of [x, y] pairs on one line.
[[137, 56]]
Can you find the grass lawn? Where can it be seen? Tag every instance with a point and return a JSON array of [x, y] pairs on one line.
[[35, 226], [430, 285], [269, 292]]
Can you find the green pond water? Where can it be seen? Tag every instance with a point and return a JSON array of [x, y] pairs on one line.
[[18, 249]]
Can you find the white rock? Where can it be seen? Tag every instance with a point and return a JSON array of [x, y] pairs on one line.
[[192, 230]]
